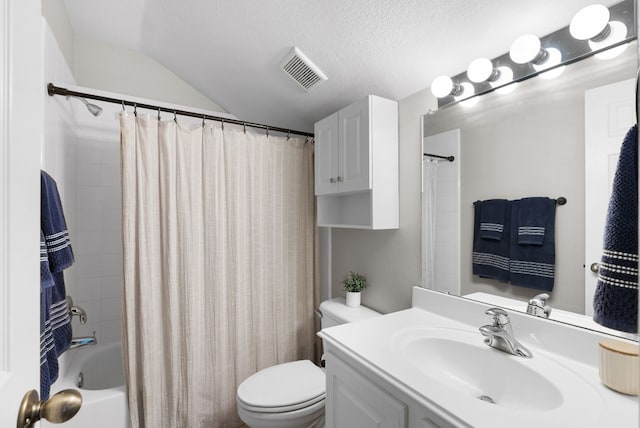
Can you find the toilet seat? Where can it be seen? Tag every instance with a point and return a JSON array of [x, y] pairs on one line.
[[283, 388]]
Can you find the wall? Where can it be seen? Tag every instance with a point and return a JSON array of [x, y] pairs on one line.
[[99, 65], [111, 68], [390, 259], [531, 143]]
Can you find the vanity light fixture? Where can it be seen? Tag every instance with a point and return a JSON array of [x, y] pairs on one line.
[[554, 58], [443, 86], [482, 70], [467, 91]]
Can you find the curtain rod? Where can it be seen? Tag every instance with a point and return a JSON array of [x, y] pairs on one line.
[[57, 90]]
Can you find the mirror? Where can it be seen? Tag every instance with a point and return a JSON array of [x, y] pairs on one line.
[[528, 142]]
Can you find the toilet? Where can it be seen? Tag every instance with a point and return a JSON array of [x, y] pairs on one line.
[[291, 395]]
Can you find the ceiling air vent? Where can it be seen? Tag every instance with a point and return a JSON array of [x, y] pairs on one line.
[[302, 70]]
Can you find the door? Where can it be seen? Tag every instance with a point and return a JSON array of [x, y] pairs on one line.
[[354, 147], [609, 113], [326, 155], [21, 124]]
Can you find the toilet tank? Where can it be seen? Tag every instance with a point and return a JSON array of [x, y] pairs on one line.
[[336, 312]]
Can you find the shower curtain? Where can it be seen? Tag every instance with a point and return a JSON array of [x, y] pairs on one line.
[[429, 210], [219, 265]]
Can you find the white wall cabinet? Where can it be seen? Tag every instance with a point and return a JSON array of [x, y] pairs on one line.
[[359, 398], [356, 166]]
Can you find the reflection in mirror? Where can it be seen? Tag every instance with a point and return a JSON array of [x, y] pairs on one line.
[[529, 142]]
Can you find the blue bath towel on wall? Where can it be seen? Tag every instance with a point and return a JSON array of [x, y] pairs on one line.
[[615, 302], [533, 265], [491, 256], [55, 323], [492, 214], [532, 220]]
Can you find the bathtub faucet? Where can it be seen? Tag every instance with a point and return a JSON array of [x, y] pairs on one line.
[[80, 342]]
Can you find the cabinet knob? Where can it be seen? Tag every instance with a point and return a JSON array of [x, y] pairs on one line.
[[332, 180], [340, 179]]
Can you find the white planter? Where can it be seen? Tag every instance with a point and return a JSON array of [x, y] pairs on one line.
[[353, 299]]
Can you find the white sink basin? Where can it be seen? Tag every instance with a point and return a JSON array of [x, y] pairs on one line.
[[459, 360]]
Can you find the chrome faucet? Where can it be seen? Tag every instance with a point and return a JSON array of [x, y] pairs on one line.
[[538, 306], [80, 342], [499, 335], [76, 311]]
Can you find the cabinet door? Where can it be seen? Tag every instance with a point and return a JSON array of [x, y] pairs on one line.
[[355, 402], [355, 147], [326, 155]]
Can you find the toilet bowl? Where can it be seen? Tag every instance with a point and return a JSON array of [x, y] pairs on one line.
[[291, 395]]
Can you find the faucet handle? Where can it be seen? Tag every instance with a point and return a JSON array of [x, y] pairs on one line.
[[500, 316], [539, 299]]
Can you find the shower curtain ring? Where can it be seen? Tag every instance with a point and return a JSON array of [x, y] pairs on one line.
[[267, 132], [222, 125], [158, 114], [244, 127], [135, 109], [175, 118], [288, 134], [123, 109], [203, 117]]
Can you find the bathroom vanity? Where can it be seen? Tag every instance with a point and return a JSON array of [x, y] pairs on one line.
[[429, 366]]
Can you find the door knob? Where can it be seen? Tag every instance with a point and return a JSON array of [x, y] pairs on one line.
[[57, 409], [332, 180], [595, 267]]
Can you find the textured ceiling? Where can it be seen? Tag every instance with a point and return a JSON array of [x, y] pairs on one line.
[[230, 50]]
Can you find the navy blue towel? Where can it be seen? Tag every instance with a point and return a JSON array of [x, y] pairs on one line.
[[492, 214], [615, 302], [532, 220], [533, 266], [55, 323], [490, 256]]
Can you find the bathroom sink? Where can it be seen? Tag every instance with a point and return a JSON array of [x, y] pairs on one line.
[[460, 361]]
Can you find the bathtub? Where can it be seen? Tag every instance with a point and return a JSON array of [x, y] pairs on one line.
[[104, 399]]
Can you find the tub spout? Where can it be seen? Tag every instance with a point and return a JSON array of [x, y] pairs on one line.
[[80, 342]]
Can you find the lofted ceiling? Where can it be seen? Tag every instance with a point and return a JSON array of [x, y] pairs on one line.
[[230, 50]]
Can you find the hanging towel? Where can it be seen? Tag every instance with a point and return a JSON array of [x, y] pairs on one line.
[[532, 220], [615, 301], [490, 256], [55, 323], [48, 357], [492, 214], [533, 266]]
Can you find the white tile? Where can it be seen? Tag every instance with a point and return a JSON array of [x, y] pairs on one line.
[[86, 330], [88, 266], [112, 265], [111, 309], [87, 242], [88, 220], [112, 287], [112, 220], [112, 197], [88, 289], [92, 308], [89, 174], [111, 331], [112, 242], [88, 197]]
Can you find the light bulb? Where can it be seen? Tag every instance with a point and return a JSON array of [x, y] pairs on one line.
[[618, 33], [506, 76], [481, 70], [589, 22], [442, 86], [526, 49], [554, 58]]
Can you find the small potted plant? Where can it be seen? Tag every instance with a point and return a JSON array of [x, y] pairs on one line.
[[353, 284]]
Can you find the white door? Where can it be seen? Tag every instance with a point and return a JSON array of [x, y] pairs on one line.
[[609, 113], [326, 155], [354, 147], [21, 124]]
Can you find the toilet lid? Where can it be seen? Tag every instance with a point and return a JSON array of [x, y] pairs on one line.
[[283, 385]]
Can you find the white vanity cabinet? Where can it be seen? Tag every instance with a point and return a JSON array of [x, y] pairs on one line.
[[359, 398], [356, 165]]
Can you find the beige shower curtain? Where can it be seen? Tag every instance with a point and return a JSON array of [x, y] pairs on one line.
[[219, 265]]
